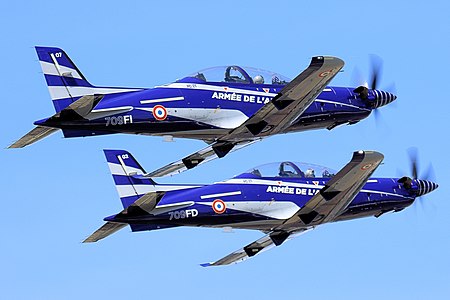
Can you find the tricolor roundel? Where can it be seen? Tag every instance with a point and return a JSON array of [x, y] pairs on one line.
[[219, 206], [159, 112]]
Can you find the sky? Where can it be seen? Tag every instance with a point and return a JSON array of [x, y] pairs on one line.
[[57, 191]]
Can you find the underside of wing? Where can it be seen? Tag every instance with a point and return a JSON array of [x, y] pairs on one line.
[[213, 151], [291, 101], [338, 193], [33, 136], [263, 244]]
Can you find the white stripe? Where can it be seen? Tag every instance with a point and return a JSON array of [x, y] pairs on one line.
[[162, 100], [50, 69], [117, 169], [104, 112], [127, 108], [160, 209], [214, 88], [52, 56], [128, 190], [269, 182], [339, 103], [220, 195], [60, 92], [381, 192]]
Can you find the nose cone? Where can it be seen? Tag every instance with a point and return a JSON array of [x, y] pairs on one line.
[[382, 98], [425, 187]]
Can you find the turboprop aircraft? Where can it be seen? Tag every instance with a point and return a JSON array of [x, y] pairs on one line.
[[282, 199], [227, 107]]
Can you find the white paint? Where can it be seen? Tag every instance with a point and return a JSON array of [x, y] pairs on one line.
[[162, 100], [223, 118], [60, 92], [220, 195]]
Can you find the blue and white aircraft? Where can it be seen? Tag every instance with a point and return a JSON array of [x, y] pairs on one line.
[[227, 107], [283, 200]]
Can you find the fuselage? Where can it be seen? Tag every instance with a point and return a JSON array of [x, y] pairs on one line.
[[192, 109], [262, 203]]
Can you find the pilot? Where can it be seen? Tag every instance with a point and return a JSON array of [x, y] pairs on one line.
[[326, 174], [258, 79], [310, 173]]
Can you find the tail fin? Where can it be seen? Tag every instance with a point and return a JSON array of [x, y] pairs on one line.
[[65, 82], [60, 74], [127, 174]]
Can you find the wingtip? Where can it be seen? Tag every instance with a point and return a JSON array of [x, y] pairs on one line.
[[206, 265]]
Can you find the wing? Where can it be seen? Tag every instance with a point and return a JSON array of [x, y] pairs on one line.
[[38, 133], [213, 151], [107, 229], [291, 101], [338, 193], [272, 118], [263, 244]]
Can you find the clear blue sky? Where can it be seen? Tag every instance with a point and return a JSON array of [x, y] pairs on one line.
[[56, 192]]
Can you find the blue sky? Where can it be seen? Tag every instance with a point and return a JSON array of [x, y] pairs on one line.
[[56, 192]]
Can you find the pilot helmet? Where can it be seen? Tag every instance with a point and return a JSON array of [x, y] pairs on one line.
[[310, 173], [258, 79]]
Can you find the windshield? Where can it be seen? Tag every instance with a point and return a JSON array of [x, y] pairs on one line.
[[236, 74], [289, 169]]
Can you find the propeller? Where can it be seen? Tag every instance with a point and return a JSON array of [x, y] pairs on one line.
[[413, 157], [368, 88], [376, 66], [423, 185]]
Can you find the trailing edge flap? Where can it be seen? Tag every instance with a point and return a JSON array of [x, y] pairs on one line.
[[38, 133], [291, 101], [275, 238], [213, 151], [338, 193], [107, 229]]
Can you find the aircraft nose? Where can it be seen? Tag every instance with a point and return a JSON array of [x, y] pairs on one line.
[[425, 187], [382, 98]]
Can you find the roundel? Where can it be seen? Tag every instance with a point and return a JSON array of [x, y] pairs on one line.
[[366, 167], [219, 206], [159, 112]]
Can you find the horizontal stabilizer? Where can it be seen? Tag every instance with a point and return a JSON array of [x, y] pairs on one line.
[[33, 136], [107, 229], [79, 109], [143, 206]]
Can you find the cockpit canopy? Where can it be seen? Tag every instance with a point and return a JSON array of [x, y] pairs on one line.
[[236, 74], [287, 169]]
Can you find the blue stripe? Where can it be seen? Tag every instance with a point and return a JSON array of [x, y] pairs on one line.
[[127, 201], [55, 80], [127, 180], [62, 103]]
